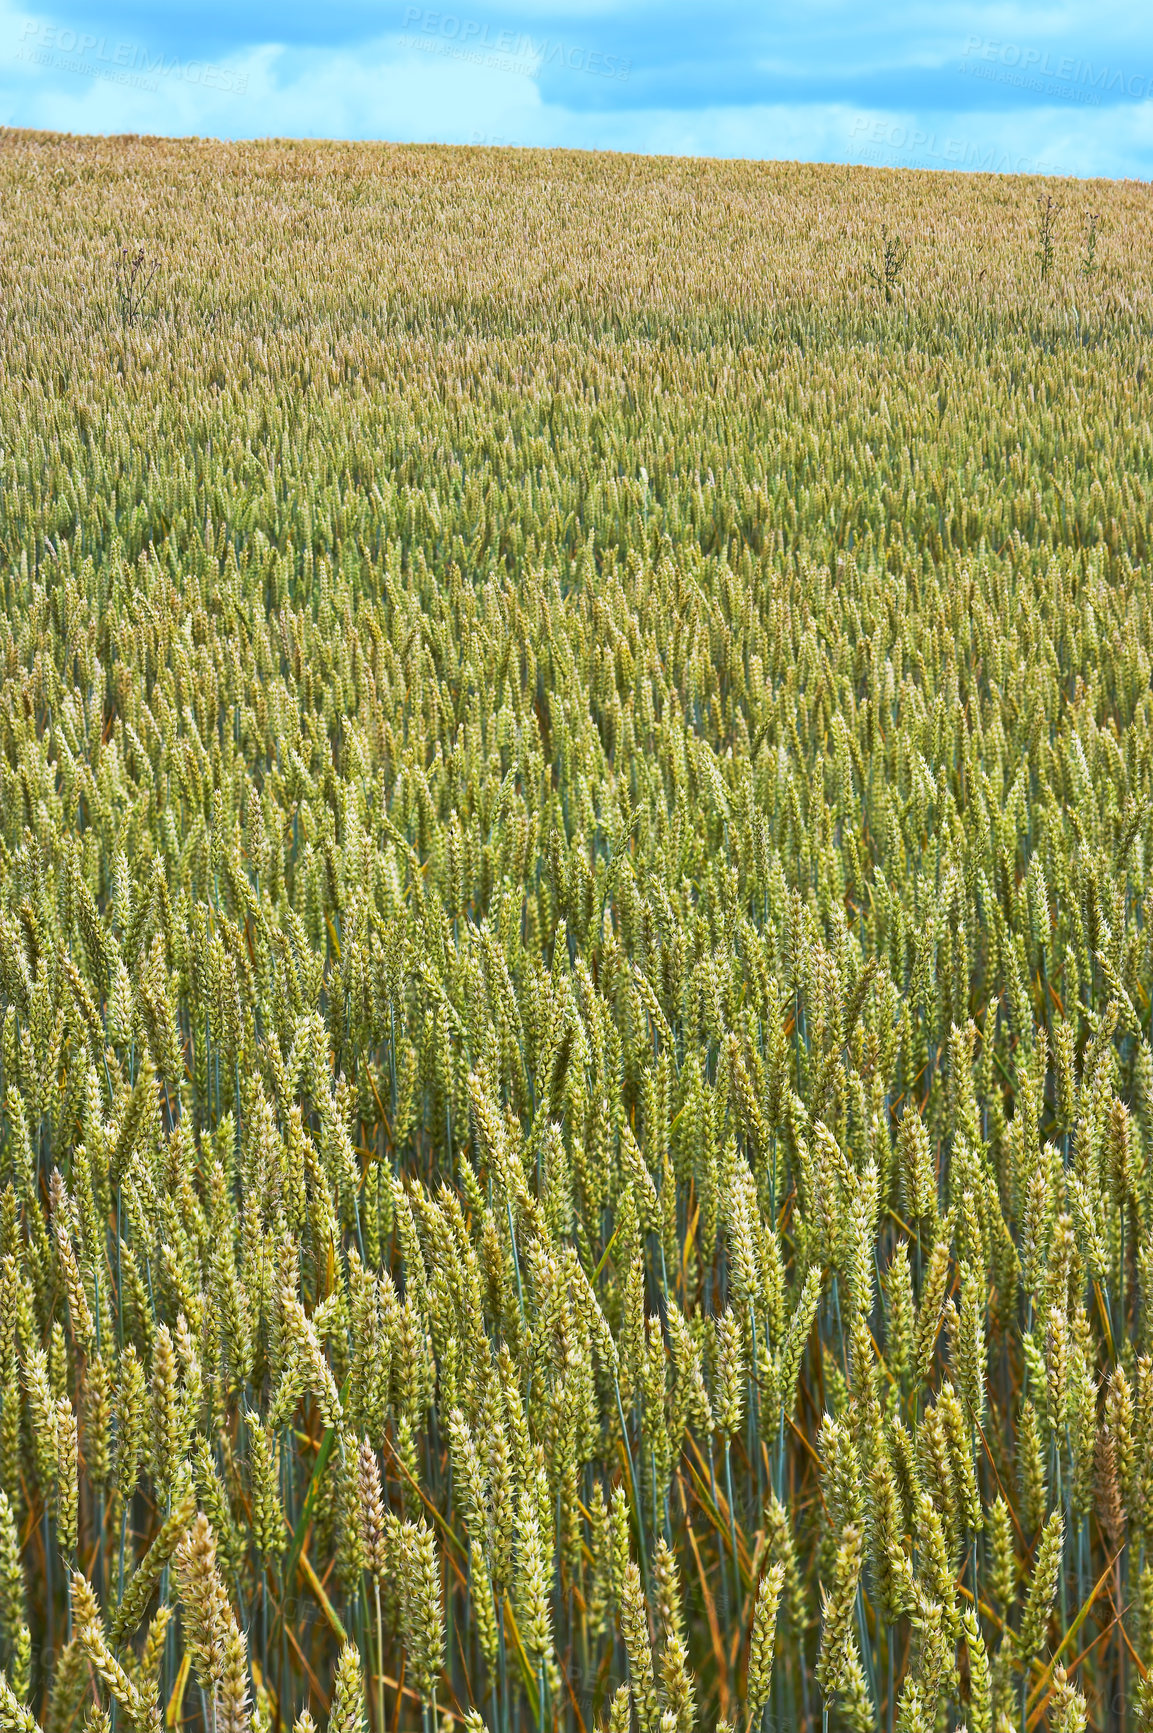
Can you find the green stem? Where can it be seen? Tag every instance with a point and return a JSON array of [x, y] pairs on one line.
[[732, 1527], [379, 1657]]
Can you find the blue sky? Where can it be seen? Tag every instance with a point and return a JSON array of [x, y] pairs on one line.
[[1059, 88]]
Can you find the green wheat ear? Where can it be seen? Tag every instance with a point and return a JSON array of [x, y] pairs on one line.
[[1042, 1589], [347, 1712], [761, 1642]]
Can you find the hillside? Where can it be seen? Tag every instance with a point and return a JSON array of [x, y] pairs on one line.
[[576, 849]]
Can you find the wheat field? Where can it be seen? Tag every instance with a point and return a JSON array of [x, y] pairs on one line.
[[576, 894]]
